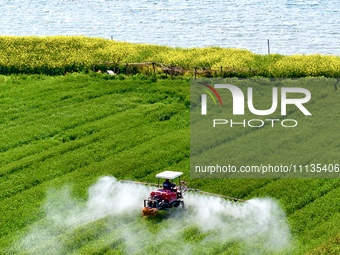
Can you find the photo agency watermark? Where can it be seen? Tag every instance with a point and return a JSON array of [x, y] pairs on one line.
[[238, 106], [254, 123]]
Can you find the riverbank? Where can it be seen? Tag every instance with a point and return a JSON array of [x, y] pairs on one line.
[[55, 55]]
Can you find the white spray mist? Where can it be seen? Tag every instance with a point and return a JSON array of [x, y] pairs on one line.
[[259, 224]]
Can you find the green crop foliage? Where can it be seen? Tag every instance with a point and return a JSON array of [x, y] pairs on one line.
[[64, 132]]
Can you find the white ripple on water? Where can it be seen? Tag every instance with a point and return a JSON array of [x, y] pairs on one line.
[[293, 26]]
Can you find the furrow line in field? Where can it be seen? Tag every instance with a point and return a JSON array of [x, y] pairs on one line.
[[49, 126], [168, 149], [93, 129], [116, 144], [297, 193], [309, 221]]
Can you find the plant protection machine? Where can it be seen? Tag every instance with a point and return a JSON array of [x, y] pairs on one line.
[[167, 195], [170, 193]]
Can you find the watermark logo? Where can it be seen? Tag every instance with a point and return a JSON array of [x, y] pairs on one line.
[[263, 128], [239, 101], [204, 97]]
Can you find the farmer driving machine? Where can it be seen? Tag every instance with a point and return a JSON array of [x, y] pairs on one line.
[[165, 197]]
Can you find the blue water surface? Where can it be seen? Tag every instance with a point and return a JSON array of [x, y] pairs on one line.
[[292, 26]]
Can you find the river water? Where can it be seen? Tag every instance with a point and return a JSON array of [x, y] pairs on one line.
[[291, 26]]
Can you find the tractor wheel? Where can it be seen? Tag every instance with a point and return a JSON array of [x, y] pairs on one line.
[[176, 203]]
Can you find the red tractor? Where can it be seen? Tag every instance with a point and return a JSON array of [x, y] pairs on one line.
[[165, 197]]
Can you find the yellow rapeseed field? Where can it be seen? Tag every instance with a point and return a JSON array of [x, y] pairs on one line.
[[60, 54]]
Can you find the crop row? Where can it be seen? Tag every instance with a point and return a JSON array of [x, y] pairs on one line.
[[78, 125], [62, 54], [73, 129]]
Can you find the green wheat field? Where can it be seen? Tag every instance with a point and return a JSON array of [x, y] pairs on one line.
[[65, 138]]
